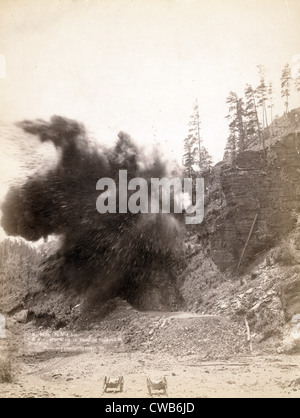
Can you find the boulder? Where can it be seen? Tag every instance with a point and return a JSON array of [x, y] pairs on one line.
[[21, 316]]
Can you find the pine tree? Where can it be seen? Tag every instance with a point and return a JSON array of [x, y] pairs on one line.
[[286, 78], [189, 160], [195, 154], [252, 125], [194, 131], [271, 102], [270, 99], [206, 159], [230, 149], [262, 95], [236, 119]]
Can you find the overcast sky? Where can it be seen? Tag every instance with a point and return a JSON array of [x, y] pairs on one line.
[[139, 65]]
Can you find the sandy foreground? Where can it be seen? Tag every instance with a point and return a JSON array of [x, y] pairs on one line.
[[63, 363]]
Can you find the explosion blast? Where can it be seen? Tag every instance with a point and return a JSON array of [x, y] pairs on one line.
[[113, 252]]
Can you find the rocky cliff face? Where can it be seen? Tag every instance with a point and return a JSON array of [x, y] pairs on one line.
[[265, 186], [266, 289], [262, 184]]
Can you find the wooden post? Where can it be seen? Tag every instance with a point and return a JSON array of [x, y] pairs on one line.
[[248, 335], [248, 239]]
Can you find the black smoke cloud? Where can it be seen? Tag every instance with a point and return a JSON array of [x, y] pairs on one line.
[[115, 251]]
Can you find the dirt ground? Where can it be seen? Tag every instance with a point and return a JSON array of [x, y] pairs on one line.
[[51, 363], [75, 374]]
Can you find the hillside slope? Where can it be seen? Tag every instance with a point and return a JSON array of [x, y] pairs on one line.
[[264, 291]]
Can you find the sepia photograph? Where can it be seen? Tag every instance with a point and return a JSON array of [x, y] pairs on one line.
[[150, 201]]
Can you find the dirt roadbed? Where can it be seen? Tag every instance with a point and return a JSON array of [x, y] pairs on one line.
[[81, 374], [63, 363]]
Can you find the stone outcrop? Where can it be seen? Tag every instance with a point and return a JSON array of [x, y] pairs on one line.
[[263, 183]]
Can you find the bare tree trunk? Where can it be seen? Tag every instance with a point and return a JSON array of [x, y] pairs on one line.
[[199, 140], [256, 117], [271, 111], [266, 116]]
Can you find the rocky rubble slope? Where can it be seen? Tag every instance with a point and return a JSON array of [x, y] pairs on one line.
[[267, 294]]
